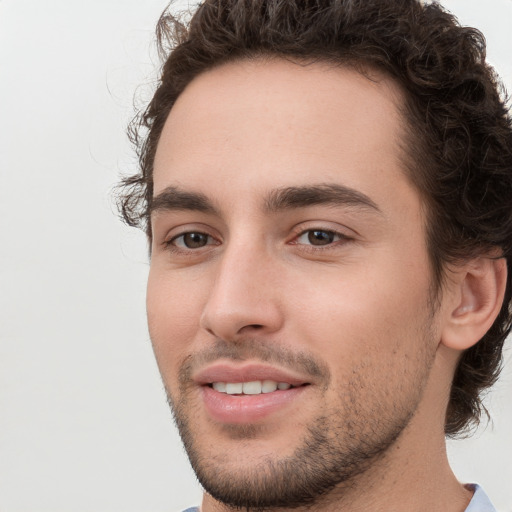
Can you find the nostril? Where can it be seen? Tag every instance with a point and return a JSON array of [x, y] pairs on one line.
[[247, 329]]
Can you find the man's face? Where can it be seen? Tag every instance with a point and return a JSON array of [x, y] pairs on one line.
[[288, 250]]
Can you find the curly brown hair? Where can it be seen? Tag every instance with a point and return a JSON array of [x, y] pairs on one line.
[[459, 151]]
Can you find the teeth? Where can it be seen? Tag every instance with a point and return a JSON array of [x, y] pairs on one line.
[[252, 388], [268, 386], [234, 388], [219, 386], [255, 387]]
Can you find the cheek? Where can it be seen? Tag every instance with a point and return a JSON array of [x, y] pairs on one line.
[[370, 309], [372, 330], [173, 312]]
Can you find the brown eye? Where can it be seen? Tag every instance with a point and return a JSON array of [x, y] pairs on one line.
[[195, 240], [192, 240], [319, 237]]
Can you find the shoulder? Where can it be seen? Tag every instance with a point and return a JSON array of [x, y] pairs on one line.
[[192, 509]]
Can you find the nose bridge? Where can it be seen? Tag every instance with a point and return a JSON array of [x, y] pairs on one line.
[[243, 291]]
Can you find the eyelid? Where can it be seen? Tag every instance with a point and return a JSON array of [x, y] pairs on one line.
[[183, 246], [338, 229], [181, 230], [345, 235], [330, 231]]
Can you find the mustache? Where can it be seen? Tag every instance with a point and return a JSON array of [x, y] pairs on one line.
[[258, 349]]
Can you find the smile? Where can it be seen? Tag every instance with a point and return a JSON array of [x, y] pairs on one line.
[[238, 407], [251, 392], [255, 387]]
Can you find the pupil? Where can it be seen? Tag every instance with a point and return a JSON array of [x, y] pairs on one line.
[[195, 240], [320, 237]]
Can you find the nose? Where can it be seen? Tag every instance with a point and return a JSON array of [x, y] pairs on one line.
[[243, 299]]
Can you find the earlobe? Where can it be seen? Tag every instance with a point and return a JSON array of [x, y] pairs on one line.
[[479, 297]]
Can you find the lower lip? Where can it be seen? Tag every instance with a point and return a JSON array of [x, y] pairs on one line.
[[238, 409]]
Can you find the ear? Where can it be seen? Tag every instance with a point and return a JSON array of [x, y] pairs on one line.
[[477, 300]]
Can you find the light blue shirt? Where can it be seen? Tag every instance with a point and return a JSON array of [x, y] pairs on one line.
[[479, 503]]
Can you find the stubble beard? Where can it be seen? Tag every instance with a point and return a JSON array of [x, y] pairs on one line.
[[334, 450], [306, 478]]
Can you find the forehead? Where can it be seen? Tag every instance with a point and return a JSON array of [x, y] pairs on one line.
[[263, 124]]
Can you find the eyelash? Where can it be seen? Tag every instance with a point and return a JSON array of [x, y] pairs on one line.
[[171, 245], [341, 239]]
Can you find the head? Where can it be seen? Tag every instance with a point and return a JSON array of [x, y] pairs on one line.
[[417, 73]]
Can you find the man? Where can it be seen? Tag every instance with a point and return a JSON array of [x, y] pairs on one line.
[[326, 189]]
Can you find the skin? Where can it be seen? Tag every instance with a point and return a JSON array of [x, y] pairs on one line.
[[359, 307]]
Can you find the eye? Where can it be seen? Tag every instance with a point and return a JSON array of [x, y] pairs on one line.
[[191, 240], [319, 237]]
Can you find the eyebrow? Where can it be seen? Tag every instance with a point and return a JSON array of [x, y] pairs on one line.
[[288, 198], [322, 194], [172, 198]]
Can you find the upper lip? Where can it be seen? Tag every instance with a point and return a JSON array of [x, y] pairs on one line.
[[225, 372]]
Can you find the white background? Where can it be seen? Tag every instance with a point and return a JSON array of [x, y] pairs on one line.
[[83, 421]]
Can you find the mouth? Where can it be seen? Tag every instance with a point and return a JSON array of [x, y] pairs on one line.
[[255, 387], [248, 394]]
